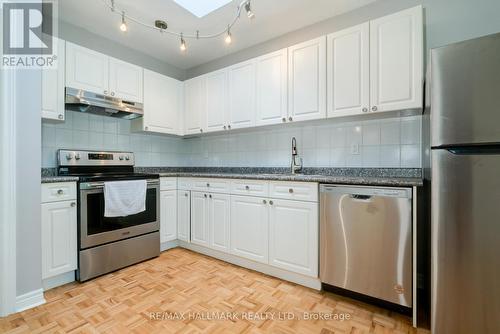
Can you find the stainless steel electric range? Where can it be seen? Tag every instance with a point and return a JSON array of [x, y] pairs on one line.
[[107, 244]]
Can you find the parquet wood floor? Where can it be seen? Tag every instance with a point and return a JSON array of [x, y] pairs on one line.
[[181, 283]]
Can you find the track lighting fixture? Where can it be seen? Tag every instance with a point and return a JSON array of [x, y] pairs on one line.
[[228, 38], [183, 44], [250, 14], [123, 26]]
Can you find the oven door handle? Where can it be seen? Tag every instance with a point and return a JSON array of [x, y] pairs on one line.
[[100, 185]]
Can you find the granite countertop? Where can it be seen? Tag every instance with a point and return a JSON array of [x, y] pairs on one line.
[[54, 179], [355, 180]]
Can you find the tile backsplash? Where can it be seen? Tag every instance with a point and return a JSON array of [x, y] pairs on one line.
[[389, 142]]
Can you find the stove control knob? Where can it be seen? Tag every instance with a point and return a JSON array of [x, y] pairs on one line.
[[77, 156], [69, 156], [121, 157], [127, 158]]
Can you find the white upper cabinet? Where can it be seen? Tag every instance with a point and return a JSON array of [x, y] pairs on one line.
[[242, 95], [348, 71], [219, 215], [293, 236], [87, 69], [194, 104], [168, 215], [396, 61], [162, 103], [271, 95], [53, 87], [250, 227], [199, 219], [216, 101], [307, 80], [125, 80]]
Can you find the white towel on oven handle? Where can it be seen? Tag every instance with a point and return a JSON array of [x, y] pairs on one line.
[[124, 198]]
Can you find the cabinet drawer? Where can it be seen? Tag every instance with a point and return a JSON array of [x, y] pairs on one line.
[[300, 191], [168, 183], [55, 192], [184, 183], [250, 188], [211, 185]]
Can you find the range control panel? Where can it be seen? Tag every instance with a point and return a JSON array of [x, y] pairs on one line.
[[94, 158]]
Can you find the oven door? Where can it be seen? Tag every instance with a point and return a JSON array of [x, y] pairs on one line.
[[95, 229]]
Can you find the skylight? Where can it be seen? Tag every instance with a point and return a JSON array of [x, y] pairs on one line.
[[201, 8]]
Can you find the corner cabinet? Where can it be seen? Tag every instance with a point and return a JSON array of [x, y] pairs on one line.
[[162, 104], [53, 87], [59, 229], [396, 61], [307, 80]]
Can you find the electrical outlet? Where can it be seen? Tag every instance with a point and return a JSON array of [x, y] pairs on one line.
[[354, 148]]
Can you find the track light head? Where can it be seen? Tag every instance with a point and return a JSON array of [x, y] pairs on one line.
[[250, 14], [228, 38], [183, 46], [123, 26]]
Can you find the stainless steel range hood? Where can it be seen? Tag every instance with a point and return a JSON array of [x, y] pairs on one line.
[[92, 103]]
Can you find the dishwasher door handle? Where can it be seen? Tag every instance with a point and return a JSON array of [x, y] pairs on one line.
[[360, 197]]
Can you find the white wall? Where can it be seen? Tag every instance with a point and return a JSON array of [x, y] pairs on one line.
[[392, 142]]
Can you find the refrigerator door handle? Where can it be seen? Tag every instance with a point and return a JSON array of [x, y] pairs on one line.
[[475, 150]]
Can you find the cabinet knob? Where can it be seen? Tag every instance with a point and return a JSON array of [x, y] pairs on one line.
[[201, 130], [208, 184], [112, 93], [229, 126], [264, 201], [210, 196], [284, 119], [146, 128], [60, 192], [247, 187], [365, 109], [60, 116], [374, 108], [105, 92], [290, 118], [290, 191], [225, 127], [205, 195], [271, 202], [73, 204], [186, 194]]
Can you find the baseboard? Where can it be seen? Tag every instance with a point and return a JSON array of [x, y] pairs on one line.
[[29, 300], [168, 245], [310, 282], [53, 282]]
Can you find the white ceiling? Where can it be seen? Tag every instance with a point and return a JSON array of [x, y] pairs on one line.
[[273, 18]]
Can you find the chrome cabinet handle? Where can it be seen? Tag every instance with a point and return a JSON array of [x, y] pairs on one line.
[[284, 119], [60, 192], [225, 127], [271, 202], [201, 130], [290, 118], [290, 191], [229, 126], [73, 204], [205, 195], [105, 92], [210, 196], [112, 93], [208, 184], [60, 116], [365, 109], [374, 108], [186, 194], [247, 187], [264, 201]]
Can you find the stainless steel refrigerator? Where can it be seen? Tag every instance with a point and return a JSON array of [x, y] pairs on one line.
[[465, 156]]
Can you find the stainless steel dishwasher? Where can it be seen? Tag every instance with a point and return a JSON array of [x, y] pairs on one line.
[[366, 241]]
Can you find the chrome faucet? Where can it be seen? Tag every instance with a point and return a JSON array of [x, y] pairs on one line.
[[294, 166]]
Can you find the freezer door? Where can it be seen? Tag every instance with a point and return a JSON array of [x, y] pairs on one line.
[[365, 241], [465, 92], [465, 243]]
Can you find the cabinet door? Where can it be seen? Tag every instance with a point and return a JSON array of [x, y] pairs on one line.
[[199, 219], [59, 233], [348, 75], [125, 80], [271, 88], [307, 80], [216, 101], [53, 87], [162, 102], [396, 56], [86, 69], [249, 227], [293, 236], [183, 215], [219, 215], [195, 105], [242, 95], [168, 215]]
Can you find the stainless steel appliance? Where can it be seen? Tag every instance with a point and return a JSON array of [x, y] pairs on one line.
[[366, 241], [107, 244], [92, 103], [465, 137]]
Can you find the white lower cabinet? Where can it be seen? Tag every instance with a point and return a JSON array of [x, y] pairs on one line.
[[199, 219], [293, 236], [183, 215], [168, 215], [249, 227], [219, 216], [59, 238]]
